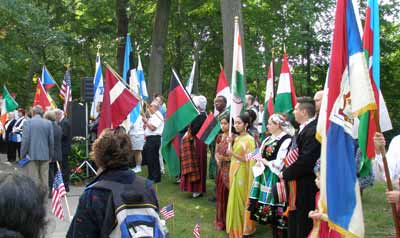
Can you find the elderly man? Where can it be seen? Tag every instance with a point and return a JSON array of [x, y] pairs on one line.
[[65, 145], [38, 145], [318, 100], [154, 126]]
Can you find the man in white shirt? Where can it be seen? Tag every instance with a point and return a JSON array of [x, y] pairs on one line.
[[136, 133], [154, 126]]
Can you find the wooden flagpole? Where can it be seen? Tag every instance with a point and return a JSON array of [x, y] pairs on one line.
[[390, 188], [65, 197]]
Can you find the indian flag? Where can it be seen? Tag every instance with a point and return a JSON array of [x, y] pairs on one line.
[[269, 97], [8, 105], [238, 81], [285, 95]]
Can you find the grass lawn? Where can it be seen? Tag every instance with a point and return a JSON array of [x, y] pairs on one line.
[[188, 211]]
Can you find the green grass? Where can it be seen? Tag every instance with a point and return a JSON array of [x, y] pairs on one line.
[[188, 210]]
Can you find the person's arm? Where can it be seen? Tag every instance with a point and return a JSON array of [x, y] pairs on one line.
[[276, 165], [308, 155], [51, 141], [26, 140], [89, 216], [153, 123]]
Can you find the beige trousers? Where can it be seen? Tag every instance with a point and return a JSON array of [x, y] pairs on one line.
[[38, 171]]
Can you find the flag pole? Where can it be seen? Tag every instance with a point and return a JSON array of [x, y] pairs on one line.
[[236, 21], [390, 188], [65, 197]]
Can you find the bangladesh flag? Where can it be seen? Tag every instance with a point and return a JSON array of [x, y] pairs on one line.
[[209, 130], [285, 95], [8, 105], [180, 113], [238, 81]]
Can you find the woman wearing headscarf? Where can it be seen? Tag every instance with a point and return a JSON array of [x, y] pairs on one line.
[[194, 154], [263, 205]]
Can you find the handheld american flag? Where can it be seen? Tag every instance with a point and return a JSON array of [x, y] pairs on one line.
[[65, 91], [255, 155], [196, 230], [167, 212], [57, 193]]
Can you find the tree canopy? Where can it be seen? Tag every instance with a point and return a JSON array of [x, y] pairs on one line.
[[60, 32]]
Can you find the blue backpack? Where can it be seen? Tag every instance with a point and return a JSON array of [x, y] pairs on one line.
[[134, 207]]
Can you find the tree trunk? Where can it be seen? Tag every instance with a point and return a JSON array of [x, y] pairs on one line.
[[159, 38], [122, 30], [230, 9]]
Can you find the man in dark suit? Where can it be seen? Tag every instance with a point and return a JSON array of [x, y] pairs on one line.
[[65, 145], [299, 174]]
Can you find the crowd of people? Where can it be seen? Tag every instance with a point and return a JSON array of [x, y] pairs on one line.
[[276, 184]]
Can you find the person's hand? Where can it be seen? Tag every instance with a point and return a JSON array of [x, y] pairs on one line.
[[229, 152], [379, 142], [315, 215], [229, 139], [264, 161], [393, 196]]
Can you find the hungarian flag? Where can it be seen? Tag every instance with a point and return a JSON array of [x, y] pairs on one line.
[[180, 113], [41, 97], [238, 81], [118, 102], [348, 93], [223, 89], [269, 97], [368, 120], [285, 95], [209, 130], [47, 79], [8, 105]]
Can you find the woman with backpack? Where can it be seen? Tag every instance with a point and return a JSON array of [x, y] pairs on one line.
[[118, 202]]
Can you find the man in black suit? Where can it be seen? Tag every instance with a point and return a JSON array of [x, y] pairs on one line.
[[65, 145], [299, 174]]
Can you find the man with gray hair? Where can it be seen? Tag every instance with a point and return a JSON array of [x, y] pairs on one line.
[[38, 146]]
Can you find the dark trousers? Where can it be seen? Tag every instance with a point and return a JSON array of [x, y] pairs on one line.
[[65, 171], [11, 151], [18, 144], [299, 224], [150, 153], [52, 174]]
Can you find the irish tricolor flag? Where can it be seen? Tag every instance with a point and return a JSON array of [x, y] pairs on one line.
[[8, 105], [238, 81], [285, 95], [269, 97], [368, 124], [180, 113]]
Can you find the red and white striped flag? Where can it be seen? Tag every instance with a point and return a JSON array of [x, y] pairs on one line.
[[65, 91], [167, 212], [196, 230], [291, 157], [57, 193]]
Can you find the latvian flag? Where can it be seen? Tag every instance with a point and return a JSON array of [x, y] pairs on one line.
[[209, 130]]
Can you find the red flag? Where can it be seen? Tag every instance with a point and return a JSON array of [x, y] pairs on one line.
[[41, 97], [118, 102]]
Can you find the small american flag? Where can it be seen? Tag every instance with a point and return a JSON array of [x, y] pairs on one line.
[[167, 212], [291, 157], [255, 155], [65, 91], [196, 230], [57, 193]]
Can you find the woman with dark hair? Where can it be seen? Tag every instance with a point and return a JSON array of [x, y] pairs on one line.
[[22, 209], [238, 221], [222, 180], [95, 216]]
